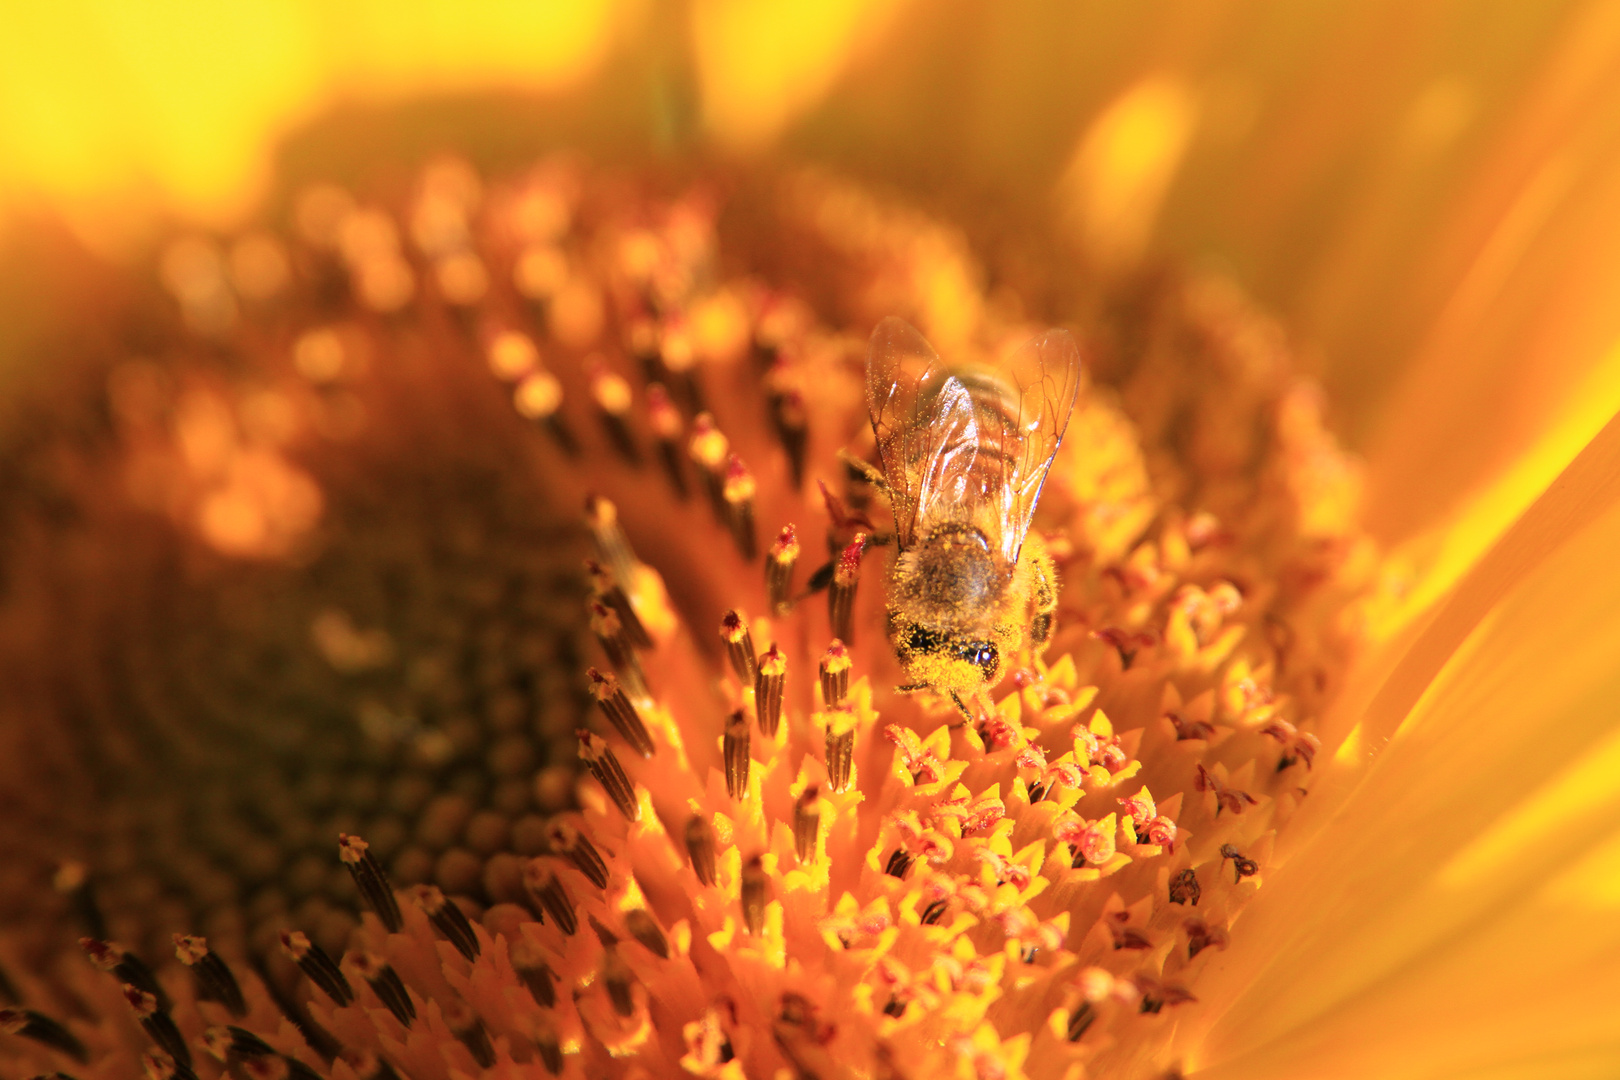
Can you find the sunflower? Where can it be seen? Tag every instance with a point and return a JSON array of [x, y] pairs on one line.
[[447, 623]]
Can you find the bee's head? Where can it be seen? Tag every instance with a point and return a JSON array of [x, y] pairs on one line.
[[945, 660]]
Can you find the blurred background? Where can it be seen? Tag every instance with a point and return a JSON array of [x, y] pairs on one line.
[[1421, 191]]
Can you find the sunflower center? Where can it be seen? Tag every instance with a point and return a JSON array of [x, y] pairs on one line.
[[326, 582]]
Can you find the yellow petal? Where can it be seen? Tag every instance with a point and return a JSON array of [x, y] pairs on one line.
[[1413, 935]]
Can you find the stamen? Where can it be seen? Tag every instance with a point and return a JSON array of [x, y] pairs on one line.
[[840, 747], [126, 967], [610, 632], [665, 421], [612, 395], [784, 554], [43, 1030], [465, 1026], [606, 589], [1081, 1018], [739, 646], [569, 841], [369, 878], [899, 862], [754, 892], [156, 1065], [618, 982], [736, 755], [603, 519], [1184, 888], [159, 1026], [214, 979], [790, 419], [549, 1046], [448, 919], [318, 966], [539, 398], [367, 1065], [841, 595], [542, 881], [530, 966], [709, 449], [835, 665], [386, 984], [604, 765], [645, 929], [620, 712], [769, 685], [807, 824], [700, 845], [72, 879], [1242, 866], [738, 493]]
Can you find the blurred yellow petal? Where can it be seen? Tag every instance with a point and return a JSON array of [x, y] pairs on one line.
[[1124, 165], [99, 99], [1424, 885], [760, 65]]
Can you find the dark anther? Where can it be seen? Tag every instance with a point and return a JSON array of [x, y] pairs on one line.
[[214, 979], [1184, 888], [1242, 866], [386, 984], [448, 919], [43, 1030], [369, 878], [318, 967], [899, 862]]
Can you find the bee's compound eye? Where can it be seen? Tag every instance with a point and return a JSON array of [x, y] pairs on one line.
[[982, 655]]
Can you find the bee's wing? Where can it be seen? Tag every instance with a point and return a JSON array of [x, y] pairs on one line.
[[898, 363], [966, 443], [1042, 379]]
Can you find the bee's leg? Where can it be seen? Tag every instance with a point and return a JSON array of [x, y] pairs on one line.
[[912, 688], [866, 471], [960, 704]]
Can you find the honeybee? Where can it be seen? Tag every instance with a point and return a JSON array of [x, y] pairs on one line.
[[965, 449]]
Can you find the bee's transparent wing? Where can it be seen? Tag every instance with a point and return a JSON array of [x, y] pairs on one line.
[[898, 362], [1041, 380], [966, 443]]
